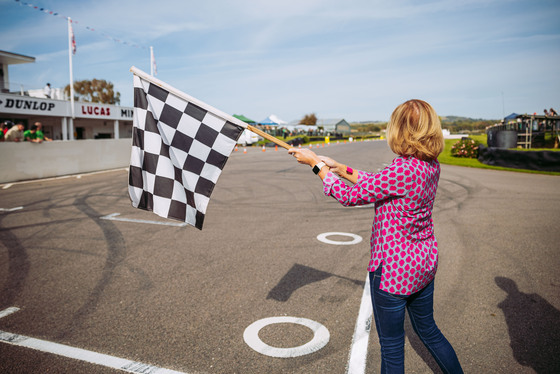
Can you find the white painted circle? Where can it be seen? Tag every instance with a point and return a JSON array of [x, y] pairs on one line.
[[323, 238], [321, 337]]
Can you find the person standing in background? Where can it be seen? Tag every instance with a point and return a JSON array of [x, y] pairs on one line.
[[47, 91]]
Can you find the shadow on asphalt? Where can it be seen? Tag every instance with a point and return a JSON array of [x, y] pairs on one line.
[[533, 326], [299, 276]]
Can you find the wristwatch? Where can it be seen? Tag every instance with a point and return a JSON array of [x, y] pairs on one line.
[[349, 170], [317, 168]]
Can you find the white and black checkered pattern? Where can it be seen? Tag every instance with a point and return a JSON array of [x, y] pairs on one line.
[[179, 150]]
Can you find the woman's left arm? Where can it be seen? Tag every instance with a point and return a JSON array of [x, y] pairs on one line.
[[341, 170]]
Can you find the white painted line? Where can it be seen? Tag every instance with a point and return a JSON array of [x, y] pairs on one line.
[[83, 355], [323, 238], [8, 311], [321, 337], [61, 177], [113, 217], [358, 351], [10, 209]]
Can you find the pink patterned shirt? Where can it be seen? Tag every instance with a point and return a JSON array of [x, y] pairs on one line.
[[403, 230]]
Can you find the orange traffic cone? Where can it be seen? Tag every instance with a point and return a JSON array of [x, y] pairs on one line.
[[263, 149], [276, 148], [244, 150], [235, 149]]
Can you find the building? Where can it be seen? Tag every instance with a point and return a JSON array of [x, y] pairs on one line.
[[334, 126], [60, 120], [7, 59]]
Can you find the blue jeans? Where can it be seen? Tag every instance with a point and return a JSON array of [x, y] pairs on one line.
[[388, 311]]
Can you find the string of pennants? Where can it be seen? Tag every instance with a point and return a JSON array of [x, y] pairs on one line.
[[56, 14]]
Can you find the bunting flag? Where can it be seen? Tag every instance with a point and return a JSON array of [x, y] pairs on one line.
[[56, 14], [179, 147]]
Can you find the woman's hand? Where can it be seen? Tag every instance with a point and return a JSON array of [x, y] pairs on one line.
[[339, 169], [305, 156], [335, 167]]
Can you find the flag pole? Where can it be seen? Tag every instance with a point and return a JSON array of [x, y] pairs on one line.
[[207, 107], [269, 137], [70, 61]]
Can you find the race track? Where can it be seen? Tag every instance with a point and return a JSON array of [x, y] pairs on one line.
[[274, 283]]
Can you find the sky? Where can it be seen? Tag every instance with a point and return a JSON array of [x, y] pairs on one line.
[[353, 59]]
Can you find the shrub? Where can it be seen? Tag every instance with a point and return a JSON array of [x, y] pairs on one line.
[[465, 147]]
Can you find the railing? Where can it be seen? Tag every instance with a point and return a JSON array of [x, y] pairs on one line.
[[525, 125], [22, 89]]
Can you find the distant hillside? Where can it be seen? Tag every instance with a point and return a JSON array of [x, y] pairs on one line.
[[454, 124], [457, 124]]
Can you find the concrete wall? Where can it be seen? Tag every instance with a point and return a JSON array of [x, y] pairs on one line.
[[25, 161]]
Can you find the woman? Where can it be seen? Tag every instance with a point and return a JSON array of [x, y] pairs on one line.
[[404, 250]]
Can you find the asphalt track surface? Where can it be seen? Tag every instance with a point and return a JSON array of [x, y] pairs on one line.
[[181, 299]]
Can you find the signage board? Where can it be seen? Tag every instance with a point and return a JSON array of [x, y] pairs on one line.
[[17, 104]]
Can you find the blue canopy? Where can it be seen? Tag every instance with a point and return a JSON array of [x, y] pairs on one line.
[[511, 116], [268, 121]]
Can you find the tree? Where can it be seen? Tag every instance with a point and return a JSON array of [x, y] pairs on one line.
[[309, 120], [94, 91]]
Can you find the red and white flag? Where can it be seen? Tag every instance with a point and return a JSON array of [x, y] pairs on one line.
[[73, 40], [153, 60]]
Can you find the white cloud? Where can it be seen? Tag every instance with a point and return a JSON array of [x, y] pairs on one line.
[[355, 60]]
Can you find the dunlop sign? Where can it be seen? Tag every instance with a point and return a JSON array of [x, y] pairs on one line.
[[16, 104]]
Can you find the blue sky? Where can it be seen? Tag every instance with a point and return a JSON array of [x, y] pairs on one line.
[[355, 59]]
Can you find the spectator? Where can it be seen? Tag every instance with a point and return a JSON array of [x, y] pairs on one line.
[[7, 125], [15, 134], [2, 127], [40, 134], [553, 112], [47, 91], [31, 135], [546, 113]]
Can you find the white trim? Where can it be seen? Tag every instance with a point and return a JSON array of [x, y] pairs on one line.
[[189, 98]]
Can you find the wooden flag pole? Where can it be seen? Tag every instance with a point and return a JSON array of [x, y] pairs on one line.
[[269, 137]]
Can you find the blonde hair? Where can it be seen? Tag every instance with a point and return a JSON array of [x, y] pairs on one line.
[[415, 130]]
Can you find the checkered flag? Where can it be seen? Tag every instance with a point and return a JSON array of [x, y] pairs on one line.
[[179, 147]]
